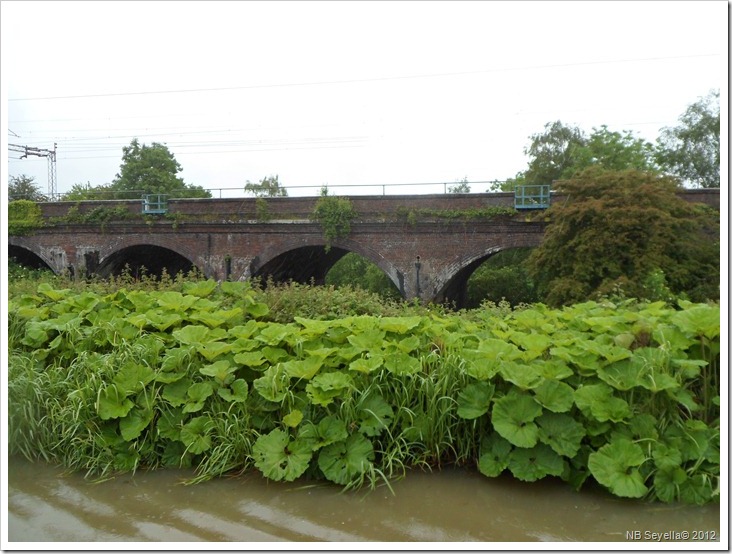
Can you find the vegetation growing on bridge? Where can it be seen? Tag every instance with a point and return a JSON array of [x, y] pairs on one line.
[[625, 394], [334, 214], [24, 217]]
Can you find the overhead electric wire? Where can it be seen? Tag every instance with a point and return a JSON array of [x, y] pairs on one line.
[[364, 80]]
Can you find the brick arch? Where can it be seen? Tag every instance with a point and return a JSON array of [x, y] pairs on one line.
[[167, 241], [28, 253], [109, 252], [315, 245], [45, 255]]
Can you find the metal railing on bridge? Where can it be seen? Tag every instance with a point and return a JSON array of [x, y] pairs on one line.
[[532, 197], [155, 204]]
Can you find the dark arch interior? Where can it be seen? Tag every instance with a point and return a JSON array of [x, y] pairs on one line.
[[302, 265], [142, 260], [26, 258], [464, 292]]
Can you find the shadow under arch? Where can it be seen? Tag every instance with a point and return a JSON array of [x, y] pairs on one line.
[[27, 258], [455, 287], [310, 261], [139, 260]]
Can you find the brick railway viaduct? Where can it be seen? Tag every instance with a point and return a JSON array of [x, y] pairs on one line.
[[428, 245]]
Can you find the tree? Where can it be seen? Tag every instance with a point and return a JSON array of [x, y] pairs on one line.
[[461, 188], [151, 170], [613, 150], [267, 187], [691, 149], [617, 231], [86, 191], [25, 188], [553, 153]]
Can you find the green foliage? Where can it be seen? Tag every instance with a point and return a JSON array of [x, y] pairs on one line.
[[101, 215], [335, 215], [267, 187], [461, 188], [24, 217], [625, 394], [614, 234], [356, 271], [503, 276], [554, 154], [23, 187], [262, 210], [691, 149], [151, 170]]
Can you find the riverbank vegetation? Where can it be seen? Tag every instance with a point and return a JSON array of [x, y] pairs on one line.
[[297, 382]]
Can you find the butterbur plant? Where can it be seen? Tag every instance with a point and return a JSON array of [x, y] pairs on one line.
[[626, 395]]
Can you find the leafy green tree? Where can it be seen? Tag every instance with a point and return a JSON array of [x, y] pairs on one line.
[[86, 191], [151, 170], [691, 149], [462, 187], [503, 276], [356, 271], [267, 187], [613, 150], [554, 154], [23, 187], [614, 234]]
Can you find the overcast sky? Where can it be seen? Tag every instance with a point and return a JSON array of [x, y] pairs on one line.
[[343, 93]]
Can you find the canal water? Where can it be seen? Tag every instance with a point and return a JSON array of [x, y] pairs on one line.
[[447, 506]]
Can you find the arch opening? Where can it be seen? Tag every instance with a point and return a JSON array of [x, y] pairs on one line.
[[302, 265], [355, 270], [498, 275], [143, 260], [27, 258]]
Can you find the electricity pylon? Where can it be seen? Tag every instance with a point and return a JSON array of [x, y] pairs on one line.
[[42, 153]]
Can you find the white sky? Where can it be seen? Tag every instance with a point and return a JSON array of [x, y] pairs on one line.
[[343, 93]]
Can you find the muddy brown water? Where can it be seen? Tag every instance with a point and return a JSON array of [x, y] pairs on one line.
[[448, 506]]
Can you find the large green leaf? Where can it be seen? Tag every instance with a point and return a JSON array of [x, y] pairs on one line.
[[273, 384], [132, 377], [176, 393], [399, 325], [400, 363], [197, 335], [196, 434], [279, 457], [112, 403], [202, 289], [323, 388], [366, 364], [513, 418], [374, 415], [524, 376], [214, 349], [176, 302], [647, 368], [561, 432], [615, 466], [370, 340], [345, 461], [303, 369], [237, 391], [597, 401], [494, 455], [134, 423], [474, 400], [480, 365], [327, 431], [697, 320], [196, 396], [222, 371], [556, 396], [530, 464]]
